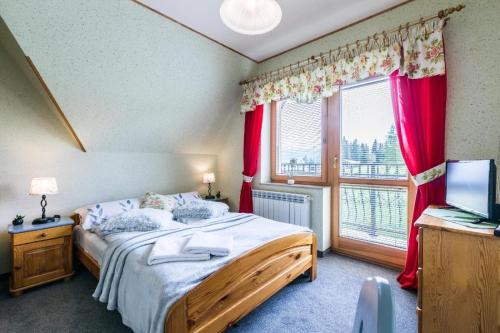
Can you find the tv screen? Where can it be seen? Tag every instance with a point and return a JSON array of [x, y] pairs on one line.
[[470, 186]]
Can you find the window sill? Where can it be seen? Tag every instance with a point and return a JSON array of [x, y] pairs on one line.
[[295, 185]]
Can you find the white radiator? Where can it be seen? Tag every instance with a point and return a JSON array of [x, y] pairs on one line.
[[284, 207]]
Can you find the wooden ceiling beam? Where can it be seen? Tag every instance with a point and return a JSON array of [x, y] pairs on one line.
[[56, 105]]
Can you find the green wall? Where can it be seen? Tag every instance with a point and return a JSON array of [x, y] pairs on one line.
[[472, 49]]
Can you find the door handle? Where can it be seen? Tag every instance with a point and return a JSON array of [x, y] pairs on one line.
[[335, 162]]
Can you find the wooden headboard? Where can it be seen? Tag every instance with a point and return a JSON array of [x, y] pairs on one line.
[[76, 218]]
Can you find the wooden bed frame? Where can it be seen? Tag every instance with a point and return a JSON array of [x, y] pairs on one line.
[[240, 286]]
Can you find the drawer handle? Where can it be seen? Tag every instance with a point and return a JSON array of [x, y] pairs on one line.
[[17, 267], [43, 235]]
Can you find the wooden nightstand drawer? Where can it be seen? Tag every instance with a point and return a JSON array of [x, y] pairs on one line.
[[40, 235]]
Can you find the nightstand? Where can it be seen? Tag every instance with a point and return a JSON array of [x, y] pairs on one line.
[[221, 199], [41, 253]]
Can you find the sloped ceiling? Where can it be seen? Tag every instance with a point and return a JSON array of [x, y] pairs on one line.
[[126, 78], [302, 21]]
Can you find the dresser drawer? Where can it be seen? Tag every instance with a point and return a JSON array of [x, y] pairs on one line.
[[40, 235]]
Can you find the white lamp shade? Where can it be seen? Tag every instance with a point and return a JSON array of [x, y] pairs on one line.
[[43, 185], [208, 178], [250, 17]]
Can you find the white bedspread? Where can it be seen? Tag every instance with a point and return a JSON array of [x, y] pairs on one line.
[[143, 294]]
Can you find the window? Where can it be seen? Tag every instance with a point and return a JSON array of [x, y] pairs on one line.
[[373, 179], [349, 142], [298, 140]]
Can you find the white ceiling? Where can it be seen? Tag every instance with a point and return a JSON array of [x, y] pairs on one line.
[[303, 20]]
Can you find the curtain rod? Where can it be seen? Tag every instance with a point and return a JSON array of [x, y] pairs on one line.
[[442, 14]]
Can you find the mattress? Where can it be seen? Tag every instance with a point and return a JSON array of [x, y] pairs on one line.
[[94, 245]]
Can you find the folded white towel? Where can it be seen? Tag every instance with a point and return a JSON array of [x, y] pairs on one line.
[[209, 243], [169, 249]]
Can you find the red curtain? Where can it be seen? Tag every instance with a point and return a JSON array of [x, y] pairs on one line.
[[251, 147], [419, 107]]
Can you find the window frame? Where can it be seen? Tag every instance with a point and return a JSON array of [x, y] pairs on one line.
[[305, 180]]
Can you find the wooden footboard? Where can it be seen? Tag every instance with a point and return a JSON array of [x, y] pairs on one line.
[[239, 287]]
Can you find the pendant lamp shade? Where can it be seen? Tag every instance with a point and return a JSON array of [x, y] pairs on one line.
[[250, 17]]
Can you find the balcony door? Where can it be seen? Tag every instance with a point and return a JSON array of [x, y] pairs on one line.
[[371, 188]]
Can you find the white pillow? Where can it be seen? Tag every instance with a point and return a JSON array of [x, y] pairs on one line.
[[187, 197], [94, 214]]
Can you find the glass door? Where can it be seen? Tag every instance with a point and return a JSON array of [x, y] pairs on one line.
[[371, 187]]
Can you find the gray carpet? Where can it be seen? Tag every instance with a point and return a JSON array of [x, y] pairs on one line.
[[326, 305]]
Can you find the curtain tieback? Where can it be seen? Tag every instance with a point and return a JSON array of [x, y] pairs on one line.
[[429, 175], [247, 179]]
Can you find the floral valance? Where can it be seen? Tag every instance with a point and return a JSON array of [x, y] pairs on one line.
[[418, 54]]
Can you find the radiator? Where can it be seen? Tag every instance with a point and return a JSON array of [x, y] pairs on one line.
[[284, 207]]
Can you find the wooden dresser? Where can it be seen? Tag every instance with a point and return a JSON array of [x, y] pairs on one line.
[[459, 278], [40, 254]]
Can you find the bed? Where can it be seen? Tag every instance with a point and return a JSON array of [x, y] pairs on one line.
[[233, 290]]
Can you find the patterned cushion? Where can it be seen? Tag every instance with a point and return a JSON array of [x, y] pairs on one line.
[[199, 209], [169, 202], [129, 221], [158, 201], [94, 214]]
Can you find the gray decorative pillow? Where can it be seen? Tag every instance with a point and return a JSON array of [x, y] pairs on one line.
[[126, 222], [200, 210]]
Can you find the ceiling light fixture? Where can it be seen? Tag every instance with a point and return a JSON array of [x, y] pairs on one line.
[[250, 17]]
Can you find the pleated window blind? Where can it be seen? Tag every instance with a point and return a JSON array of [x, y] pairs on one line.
[[298, 138]]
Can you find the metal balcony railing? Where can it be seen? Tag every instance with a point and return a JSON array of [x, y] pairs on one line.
[[376, 214], [301, 169], [373, 170], [350, 170]]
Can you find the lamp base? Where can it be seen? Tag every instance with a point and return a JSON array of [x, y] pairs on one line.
[[209, 197], [43, 220]]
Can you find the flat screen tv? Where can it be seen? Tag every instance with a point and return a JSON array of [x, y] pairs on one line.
[[471, 186]]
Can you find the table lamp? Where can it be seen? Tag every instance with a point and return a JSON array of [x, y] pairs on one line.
[[209, 178], [43, 186]]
